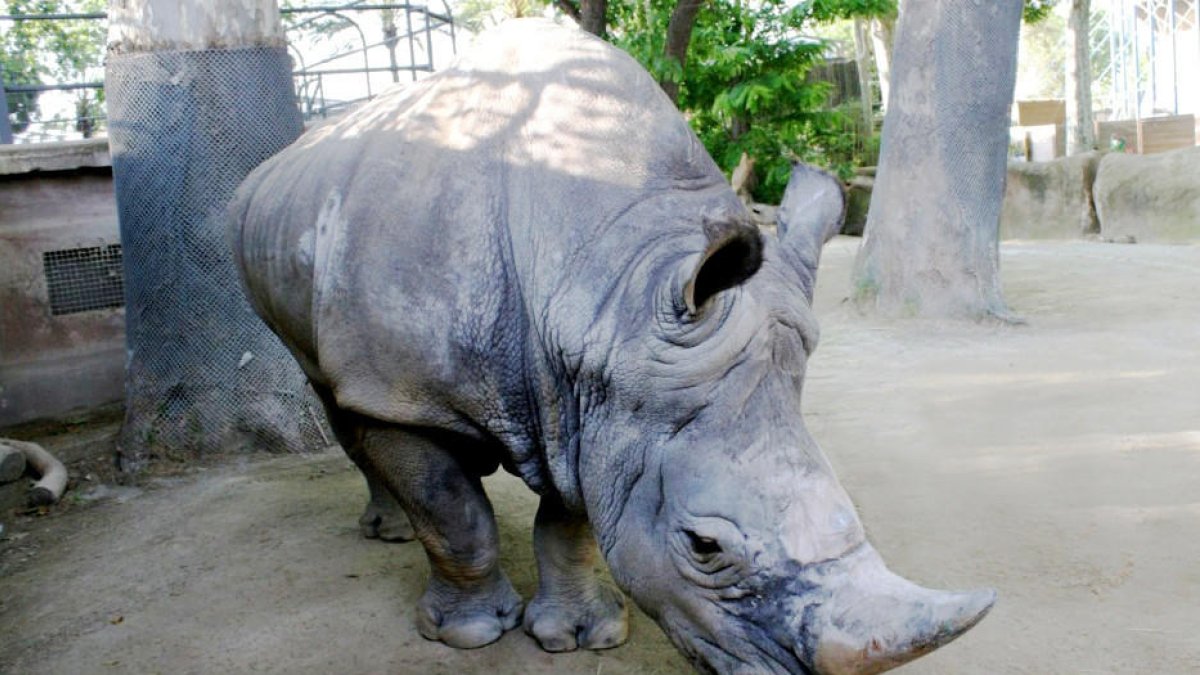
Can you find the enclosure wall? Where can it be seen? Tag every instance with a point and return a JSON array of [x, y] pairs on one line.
[[61, 306]]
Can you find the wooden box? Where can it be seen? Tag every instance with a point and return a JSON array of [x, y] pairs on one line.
[[1034, 113], [1160, 134]]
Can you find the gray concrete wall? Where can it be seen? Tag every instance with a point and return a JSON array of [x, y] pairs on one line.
[[54, 197]]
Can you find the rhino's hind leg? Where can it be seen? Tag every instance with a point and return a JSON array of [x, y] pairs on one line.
[[383, 518], [572, 608], [469, 602]]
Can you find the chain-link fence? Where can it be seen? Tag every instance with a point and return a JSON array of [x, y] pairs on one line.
[[203, 373]]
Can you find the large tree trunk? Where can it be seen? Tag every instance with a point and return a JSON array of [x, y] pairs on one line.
[[1080, 134], [679, 36], [931, 238], [199, 93]]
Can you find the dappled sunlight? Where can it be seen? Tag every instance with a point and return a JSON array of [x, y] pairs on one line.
[[563, 106]]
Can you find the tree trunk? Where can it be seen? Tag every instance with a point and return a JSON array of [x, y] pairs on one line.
[[1080, 133], [882, 32], [679, 36], [931, 244], [571, 9], [593, 17], [199, 93], [864, 76], [390, 40]]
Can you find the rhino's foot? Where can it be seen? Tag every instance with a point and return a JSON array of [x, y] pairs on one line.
[[563, 623], [467, 619], [388, 523]]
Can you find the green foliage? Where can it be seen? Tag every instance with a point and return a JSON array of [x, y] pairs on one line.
[[745, 88], [37, 52], [1037, 10]]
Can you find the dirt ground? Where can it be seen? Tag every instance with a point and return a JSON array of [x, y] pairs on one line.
[[1058, 462]]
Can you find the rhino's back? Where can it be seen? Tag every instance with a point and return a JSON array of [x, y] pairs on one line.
[[404, 250], [336, 240]]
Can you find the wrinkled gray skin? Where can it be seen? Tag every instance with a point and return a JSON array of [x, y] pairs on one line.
[[529, 260]]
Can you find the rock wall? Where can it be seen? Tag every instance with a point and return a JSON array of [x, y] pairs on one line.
[[1151, 198], [1050, 200]]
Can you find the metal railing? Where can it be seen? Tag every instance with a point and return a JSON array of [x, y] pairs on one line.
[[416, 27], [335, 64]]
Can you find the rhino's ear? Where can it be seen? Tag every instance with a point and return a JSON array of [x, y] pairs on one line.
[[734, 253], [811, 213]]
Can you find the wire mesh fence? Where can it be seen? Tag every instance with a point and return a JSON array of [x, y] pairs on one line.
[[203, 372]]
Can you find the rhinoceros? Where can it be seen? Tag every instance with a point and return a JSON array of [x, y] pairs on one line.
[[528, 260]]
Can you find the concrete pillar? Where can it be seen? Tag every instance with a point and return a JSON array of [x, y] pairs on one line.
[[199, 93]]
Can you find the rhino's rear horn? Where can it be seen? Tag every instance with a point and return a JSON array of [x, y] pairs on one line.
[[733, 255], [811, 213]]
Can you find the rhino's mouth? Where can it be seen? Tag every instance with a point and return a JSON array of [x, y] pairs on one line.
[[745, 648]]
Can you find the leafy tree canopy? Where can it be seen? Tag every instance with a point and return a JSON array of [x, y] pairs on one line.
[[1036, 10], [40, 52], [745, 88]]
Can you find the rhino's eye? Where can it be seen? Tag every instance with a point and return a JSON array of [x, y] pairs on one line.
[[703, 547]]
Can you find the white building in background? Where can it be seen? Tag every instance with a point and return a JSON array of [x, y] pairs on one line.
[[1150, 51]]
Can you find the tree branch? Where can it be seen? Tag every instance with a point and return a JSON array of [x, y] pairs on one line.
[[679, 36], [568, 7]]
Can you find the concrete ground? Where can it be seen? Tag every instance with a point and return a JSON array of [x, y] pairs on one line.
[[1058, 462]]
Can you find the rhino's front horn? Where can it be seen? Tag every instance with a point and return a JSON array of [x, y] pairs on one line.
[[875, 620]]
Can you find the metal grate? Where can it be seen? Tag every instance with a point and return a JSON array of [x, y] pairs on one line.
[[84, 279]]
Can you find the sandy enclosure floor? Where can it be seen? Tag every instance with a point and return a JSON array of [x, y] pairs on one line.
[[1058, 462]]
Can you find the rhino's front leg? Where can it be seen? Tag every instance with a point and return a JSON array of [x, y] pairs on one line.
[[572, 608], [469, 602]]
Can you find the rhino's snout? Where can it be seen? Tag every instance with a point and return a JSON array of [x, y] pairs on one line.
[[874, 620]]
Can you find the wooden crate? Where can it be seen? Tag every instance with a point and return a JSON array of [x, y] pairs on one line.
[[1160, 134], [1033, 113]]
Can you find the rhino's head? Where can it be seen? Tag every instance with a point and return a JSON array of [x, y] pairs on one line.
[[713, 505]]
